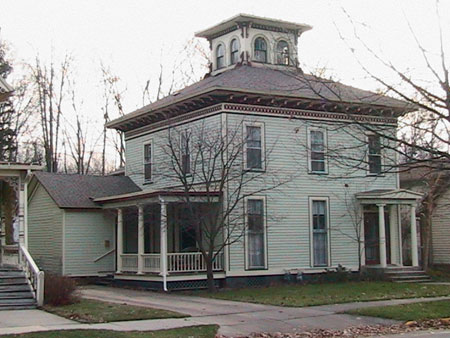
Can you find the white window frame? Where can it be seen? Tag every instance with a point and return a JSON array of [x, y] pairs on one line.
[[311, 230], [325, 145], [183, 132], [146, 143], [368, 157], [224, 56], [263, 145], [247, 263]]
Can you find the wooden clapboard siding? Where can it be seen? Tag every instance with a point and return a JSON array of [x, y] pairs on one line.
[[85, 235], [441, 230], [45, 231]]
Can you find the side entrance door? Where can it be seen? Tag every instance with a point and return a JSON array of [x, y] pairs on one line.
[[372, 240]]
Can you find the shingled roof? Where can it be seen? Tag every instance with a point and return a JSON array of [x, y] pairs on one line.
[[77, 191], [287, 82]]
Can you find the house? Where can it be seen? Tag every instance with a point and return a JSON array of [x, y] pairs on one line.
[[431, 178], [5, 90], [319, 188]]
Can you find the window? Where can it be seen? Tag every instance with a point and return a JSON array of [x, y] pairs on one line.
[[253, 146], [220, 54], [234, 48], [185, 141], [148, 162], [374, 154], [283, 53], [319, 220], [256, 252], [260, 50], [317, 151]]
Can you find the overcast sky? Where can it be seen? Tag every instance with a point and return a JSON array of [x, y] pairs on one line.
[[134, 36]]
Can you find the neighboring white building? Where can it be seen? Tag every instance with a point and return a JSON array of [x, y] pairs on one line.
[[308, 132]]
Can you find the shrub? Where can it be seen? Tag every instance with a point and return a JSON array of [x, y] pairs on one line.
[[59, 290]]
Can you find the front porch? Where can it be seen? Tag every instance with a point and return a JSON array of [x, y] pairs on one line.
[[156, 239], [380, 231]]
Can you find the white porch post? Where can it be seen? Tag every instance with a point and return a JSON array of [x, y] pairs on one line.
[[140, 239], [392, 233], [414, 254], [163, 243], [382, 235], [362, 241], [119, 240]]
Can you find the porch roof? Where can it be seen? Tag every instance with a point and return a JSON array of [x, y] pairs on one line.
[[154, 196], [388, 196]]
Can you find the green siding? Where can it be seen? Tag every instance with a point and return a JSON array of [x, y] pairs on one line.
[[85, 235], [45, 231]]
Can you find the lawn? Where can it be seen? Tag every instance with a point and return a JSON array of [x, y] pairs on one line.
[[406, 312], [329, 293], [206, 331], [93, 311], [440, 273]]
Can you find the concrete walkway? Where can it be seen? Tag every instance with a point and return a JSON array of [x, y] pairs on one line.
[[234, 318]]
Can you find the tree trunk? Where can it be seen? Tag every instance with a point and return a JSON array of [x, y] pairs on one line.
[[210, 274]]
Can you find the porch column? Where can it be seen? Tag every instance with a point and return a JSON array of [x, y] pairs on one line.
[[414, 255], [140, 239], [361, 239], [393, 233], [119, 240], [382, 235], [163, 243]]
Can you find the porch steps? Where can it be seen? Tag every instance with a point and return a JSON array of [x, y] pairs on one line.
[[407, 275], [15, 291]]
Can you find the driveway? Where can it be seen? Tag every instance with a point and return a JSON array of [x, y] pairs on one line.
[[234, 318]]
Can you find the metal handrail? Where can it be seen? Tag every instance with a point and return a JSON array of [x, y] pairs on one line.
[[34, 275], [104, 255]]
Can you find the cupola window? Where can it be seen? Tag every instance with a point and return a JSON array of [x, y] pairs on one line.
[[283, 53], [260, 50], [220, 54], [234, 48]]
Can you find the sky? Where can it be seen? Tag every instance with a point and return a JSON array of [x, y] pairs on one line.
[[135, 37]]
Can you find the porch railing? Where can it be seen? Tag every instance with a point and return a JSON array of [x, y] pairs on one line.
[[34, 275], [191, 262], [152, 262], [129, 262]]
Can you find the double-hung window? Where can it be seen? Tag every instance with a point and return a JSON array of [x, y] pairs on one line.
[[317, 161], [374, 154], [319, 220], [148, 162], [256, 247], [254, 146], [185, 138]]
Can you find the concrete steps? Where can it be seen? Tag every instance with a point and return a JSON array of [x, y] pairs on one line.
[[15, 292], [407, 274]]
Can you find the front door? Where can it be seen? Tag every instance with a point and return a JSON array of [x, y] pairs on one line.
[[372, 239]]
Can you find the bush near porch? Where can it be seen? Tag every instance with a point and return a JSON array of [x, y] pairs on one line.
[[329, 293]]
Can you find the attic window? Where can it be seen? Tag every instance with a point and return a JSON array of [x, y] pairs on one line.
[[283, 53], [234, 48], [260, 50], [220, 54]]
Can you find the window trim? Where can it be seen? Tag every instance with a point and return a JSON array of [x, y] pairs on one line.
[[368, 172], [221, 44], [254, 49], [183, 132], [325, 199], [246, 242], [263, 145], [148, 181], [325, 144]]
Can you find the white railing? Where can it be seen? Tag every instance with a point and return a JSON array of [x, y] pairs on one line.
[[152, 262], [34, 275], [191, 262], [129, 262]]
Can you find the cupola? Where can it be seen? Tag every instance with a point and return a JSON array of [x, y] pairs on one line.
[[247, 39]]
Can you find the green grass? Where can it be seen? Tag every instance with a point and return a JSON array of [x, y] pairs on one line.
[[206, 331], [329, 293], [440, 273], [406, 312], [93, 311]]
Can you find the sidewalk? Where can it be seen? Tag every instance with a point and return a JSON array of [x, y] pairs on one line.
[[234, 318]]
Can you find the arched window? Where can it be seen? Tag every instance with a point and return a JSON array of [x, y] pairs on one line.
[[234, 48], [260, 50], [220, 56], [283, 53]]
